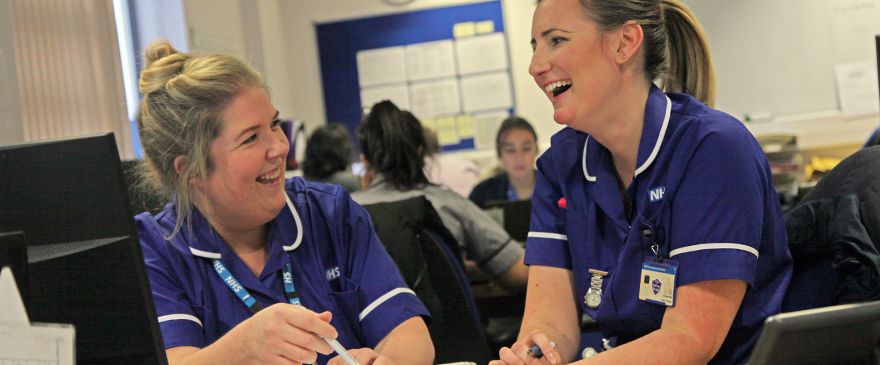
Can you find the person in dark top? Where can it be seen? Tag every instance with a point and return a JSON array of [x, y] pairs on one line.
[[328, 157], [517, 147]]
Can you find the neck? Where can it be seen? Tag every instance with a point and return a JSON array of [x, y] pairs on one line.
[[523, 186], [623, 131]]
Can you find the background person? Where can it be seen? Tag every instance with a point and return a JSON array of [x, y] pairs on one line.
[[456, 174], [393, 152], [328, 158], [639, 171], [217, 255], [517, 146]]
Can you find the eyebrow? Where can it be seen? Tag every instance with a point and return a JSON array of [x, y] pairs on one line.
[[253, 127], [548, 31]]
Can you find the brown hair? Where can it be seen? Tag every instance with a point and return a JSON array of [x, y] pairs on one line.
[[180, 115], [511, 123], [675, 48]]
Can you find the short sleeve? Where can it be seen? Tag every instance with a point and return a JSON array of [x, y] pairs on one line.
[[178, 321], [547, 244], [386, 301], [719, 209]]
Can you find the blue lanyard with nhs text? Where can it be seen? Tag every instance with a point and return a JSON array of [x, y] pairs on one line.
[[253, 304]]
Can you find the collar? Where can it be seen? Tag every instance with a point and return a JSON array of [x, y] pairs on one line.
[[206, 244], [658, 108]]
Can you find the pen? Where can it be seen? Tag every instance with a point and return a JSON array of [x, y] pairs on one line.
[[535, 351], [342, 352]]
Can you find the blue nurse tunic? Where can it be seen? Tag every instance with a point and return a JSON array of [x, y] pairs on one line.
[[338, 265], [704, 185]]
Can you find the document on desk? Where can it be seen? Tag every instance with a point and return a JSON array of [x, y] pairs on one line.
[[22, 342]]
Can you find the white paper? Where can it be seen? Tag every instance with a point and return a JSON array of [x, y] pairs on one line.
[[398, 94], [487, 91], [857, 89], [486, 127], [381, 66], [430, 60], [853, 26], [481, 53], [435, 98], [12, 310]]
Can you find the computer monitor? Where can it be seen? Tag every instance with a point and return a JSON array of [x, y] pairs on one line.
[[85, 265], [515, 216], [842, 334]]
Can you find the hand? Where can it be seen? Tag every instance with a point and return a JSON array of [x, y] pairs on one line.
[[516, 354], [364, 356], [285, 334]]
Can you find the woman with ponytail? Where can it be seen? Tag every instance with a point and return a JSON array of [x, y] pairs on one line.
[[243, 265], [393, 148], [652, 213]]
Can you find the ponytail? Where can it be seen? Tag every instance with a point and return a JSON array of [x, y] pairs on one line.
[[689, 69]]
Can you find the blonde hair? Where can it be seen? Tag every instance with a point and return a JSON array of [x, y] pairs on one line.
[[180, 115], [674, 47]]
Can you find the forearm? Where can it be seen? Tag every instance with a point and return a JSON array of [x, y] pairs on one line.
[[409, 343], [663, 346], [551, 308], [516, 278]]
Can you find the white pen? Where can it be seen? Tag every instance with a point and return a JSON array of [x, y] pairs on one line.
[[340, 350]]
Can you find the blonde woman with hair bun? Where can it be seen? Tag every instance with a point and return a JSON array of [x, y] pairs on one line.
[[647, 187], [245, 266]]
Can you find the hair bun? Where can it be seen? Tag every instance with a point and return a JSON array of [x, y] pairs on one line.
[[163, 63]]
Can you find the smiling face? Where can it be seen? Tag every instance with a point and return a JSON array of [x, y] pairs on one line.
[[245, 190], [518, 153], [574, 64]]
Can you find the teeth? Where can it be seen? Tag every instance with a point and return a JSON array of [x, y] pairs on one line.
[[271, 176], [553, 86]]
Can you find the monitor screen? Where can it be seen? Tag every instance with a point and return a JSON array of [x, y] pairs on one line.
[[843, 334], [515, 216], [85, 266]]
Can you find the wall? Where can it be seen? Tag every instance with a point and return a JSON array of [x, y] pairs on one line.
[[11, 130]]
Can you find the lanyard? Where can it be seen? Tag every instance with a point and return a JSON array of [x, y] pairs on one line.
[[253, 304]]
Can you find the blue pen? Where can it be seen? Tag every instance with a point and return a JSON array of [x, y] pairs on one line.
[[535, 351]]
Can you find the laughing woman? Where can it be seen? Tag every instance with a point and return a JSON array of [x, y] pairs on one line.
[[652, 213], [245, 267]]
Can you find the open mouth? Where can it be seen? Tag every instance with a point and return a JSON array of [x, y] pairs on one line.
[[270, 177], [558, 87]]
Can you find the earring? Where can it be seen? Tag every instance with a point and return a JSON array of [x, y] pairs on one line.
[[624, 56]]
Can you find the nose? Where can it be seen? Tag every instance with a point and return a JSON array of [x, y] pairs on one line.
[[278, 146], [539, 65]]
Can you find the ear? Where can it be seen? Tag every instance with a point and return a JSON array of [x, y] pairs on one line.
[[628, 40], [180, 165]]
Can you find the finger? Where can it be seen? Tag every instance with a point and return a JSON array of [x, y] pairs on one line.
[[334, 361], [305, 319], [365, 356], [382, 360], [547, 349], [508, 356], [292, 335], [297, 354]]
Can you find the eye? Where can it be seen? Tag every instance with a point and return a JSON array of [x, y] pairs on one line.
[[275, 123], [250, 139], [556, 40]]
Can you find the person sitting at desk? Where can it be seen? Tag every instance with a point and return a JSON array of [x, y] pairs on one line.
[[393, 147], [328, 158], [517, 146], [244, 266], [653, 213]]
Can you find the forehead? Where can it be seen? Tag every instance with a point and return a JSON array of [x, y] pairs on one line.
[[250, 106], [516, 135], [556, 13]]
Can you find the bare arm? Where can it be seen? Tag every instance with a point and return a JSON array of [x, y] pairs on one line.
[[516, 278], [408, 343]]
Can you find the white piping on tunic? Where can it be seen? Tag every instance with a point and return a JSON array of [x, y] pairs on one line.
[[714, 246], [299, 226], [200, 253], [554, 236], [187, 317], [382, 299]]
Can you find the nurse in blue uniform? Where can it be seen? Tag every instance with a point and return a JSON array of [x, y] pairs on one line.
[[244, 266], [652, 213]]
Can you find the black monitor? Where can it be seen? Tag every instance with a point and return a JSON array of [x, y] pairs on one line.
[[85, 267], [842, 334], [516, 216]]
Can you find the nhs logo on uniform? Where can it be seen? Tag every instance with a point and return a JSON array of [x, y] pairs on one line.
[[332, 273], [656, 194]]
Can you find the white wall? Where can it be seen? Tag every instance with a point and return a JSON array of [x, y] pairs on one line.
[[10, 110]]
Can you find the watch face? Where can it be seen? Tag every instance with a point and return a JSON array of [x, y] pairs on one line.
[[593, 298]]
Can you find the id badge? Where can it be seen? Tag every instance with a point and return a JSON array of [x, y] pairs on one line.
[[657, 283]]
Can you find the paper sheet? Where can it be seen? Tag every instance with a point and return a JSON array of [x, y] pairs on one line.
[[435, 98], [486, 126], [381, 66], [857, 89], [398, 94], [481, 53], [486, 91], [430, 60], [465, 125]]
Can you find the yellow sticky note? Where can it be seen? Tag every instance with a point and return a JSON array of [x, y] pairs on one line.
[[465, 29], [465, 124], [485, 27], [445, 123], [447, 136], [429, 123]]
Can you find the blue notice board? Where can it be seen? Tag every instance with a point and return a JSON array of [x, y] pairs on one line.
[[339, 42]]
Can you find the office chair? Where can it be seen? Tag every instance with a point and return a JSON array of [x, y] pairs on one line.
[[429, 261], [833, 235]]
